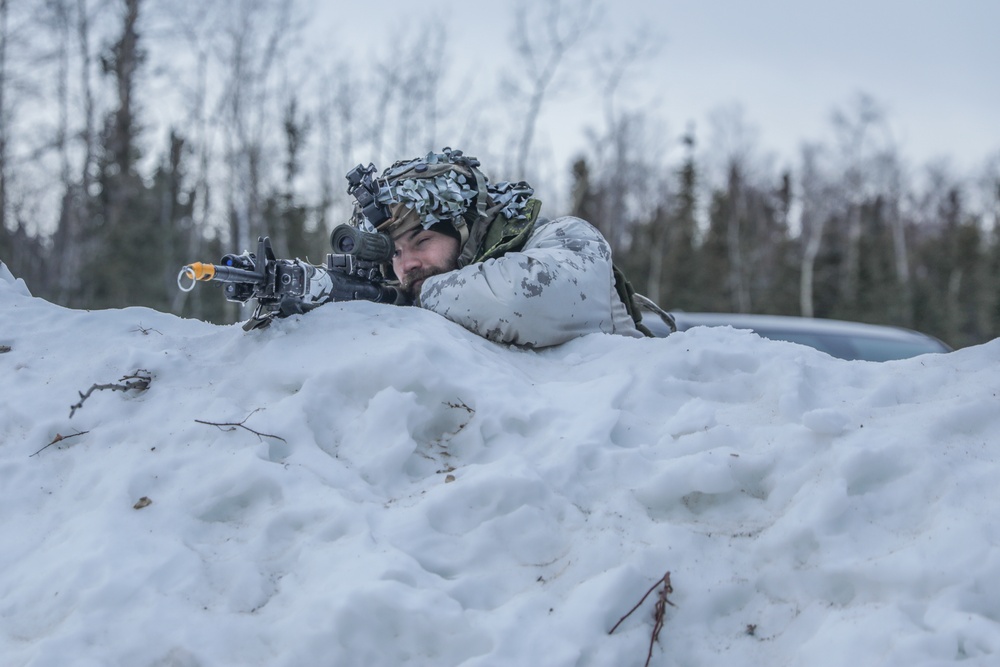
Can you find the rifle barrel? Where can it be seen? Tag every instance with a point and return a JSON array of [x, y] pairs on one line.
[[227, 274]]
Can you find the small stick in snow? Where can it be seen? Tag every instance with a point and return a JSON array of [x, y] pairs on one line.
[[139, 380], [59, 438], [145, 330], [658, 611], [232, 426]]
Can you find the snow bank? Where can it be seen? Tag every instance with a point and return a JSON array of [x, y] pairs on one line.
[[419, 496]]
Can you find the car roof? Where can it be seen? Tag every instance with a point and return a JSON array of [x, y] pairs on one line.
[[839, 338]]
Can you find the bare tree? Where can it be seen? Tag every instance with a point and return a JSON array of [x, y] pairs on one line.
[[614, 67], [987, 187], [418, 102], [87, 133], [738, 281], [863, 138], [816, 198], [69, 232], [893, 194], [624, 153], [541, 55], [76, 136], [16, 151], [408, 101], [4, 117], [732, 149], [337, 119], [193, 30], [122, 233], [628, 173], [256, 38]]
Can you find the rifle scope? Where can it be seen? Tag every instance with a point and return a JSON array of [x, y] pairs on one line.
[[365, 246]]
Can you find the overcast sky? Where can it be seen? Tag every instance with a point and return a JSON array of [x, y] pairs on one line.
[[932, 65]]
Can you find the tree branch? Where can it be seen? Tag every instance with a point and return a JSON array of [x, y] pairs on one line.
[[658, 611], [139, 380], [59, 438], [232, 426]]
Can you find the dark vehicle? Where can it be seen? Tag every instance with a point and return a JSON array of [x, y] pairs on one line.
[[845, 340]]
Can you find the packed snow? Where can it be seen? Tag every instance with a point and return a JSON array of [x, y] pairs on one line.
[[373, 485]]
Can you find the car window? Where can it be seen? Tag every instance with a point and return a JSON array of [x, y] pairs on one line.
[[835, 346], [856, 346], [873, 349], [844, 340]]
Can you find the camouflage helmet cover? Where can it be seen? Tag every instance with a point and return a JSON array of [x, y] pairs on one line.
[[447, 187]]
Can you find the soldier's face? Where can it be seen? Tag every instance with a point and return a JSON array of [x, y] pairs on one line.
[[420, 254]]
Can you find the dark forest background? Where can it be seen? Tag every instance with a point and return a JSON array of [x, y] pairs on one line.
[[100, 205]]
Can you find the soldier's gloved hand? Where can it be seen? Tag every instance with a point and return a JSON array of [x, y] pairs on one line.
[[344, 287], [326, 285], [294, 305]]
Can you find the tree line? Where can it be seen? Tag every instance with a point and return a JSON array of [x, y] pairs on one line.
[[95, 214]]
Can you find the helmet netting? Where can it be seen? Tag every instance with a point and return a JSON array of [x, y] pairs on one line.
[[448, 194]]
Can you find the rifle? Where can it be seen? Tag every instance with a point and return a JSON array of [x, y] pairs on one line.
[[283, 287]]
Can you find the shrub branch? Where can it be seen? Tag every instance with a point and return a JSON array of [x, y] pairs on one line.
[[59, 438], [658, 611], [139, 381], [232, 426]]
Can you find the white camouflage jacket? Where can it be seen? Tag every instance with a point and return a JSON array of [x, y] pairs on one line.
[[558, 287]]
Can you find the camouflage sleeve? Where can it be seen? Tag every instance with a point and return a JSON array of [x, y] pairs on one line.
[[558, 287]]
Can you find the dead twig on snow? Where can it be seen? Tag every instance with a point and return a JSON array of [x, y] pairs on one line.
[[232, 426], [59, 438], [139, 380], [658, 611], [145, 330]]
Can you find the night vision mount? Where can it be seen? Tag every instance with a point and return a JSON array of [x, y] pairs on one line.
[[362, 185]]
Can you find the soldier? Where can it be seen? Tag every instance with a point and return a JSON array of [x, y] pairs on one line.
[[479, 255], [447, 240]]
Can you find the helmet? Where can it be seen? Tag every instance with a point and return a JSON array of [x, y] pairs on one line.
[[447, 187]]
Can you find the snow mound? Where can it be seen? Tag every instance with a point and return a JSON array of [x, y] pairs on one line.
[[373, 485]]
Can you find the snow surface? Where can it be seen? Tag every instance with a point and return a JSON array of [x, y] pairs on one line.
[[436, 499]]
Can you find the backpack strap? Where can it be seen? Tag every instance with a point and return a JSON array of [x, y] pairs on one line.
[[639, 301], [628, 296]]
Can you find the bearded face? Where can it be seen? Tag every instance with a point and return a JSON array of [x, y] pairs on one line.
[[422, 253]]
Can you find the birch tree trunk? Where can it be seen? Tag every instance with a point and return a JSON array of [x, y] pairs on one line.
[[813, 222]]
